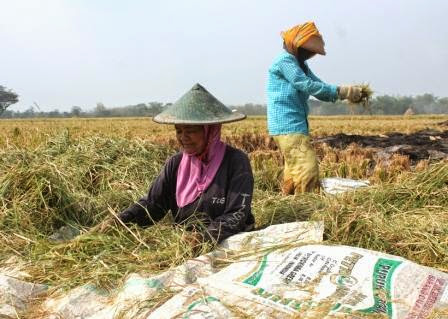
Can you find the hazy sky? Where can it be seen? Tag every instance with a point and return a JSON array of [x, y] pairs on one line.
[[61, 53]]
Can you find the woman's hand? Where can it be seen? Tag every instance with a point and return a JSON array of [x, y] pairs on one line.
[[352, 93]]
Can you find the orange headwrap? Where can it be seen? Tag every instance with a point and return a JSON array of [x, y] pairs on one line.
[[298, 35]]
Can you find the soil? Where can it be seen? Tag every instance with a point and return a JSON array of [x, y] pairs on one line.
[[426, 144]]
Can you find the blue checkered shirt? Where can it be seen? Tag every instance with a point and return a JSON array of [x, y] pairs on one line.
[[288, 90]]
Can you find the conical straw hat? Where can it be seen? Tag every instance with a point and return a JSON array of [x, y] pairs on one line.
[[198, 106]]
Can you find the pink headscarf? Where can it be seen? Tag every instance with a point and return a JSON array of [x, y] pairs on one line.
[[196, 171]]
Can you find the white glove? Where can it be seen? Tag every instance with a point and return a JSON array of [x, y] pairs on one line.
[[352, 93]]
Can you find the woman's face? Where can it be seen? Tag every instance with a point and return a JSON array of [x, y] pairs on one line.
[[303, 54], [191, 138]]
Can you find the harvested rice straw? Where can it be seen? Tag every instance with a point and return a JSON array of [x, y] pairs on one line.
[[366, 94]]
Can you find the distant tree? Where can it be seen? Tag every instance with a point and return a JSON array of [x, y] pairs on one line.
[[424, 99], [101, 110], [444, 103], [386, 104], [54, 113], [155, 108], [29, 112], [8, 114], [379, 105], [7, 98], [76, 111], [141, 110]]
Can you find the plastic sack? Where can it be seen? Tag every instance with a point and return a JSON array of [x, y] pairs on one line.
[[128, 301], [315, 281], [337, 185], [16, 295]]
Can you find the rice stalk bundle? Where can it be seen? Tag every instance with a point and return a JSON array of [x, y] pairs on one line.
[[76, 181]]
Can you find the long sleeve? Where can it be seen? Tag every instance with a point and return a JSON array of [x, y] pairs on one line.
[[313, 76], [324, 97], [237, 211], [310, 85], [155, 204]]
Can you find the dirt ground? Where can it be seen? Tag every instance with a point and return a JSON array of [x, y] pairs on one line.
[[425, 144]]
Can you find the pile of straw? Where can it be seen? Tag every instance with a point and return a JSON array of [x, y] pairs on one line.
[[366, 94], [78, 182]]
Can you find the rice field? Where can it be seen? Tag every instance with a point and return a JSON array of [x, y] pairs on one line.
[[74, 173], [32, 132]]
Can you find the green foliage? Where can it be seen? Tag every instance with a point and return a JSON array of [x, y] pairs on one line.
[[379, 105], [7, 98]]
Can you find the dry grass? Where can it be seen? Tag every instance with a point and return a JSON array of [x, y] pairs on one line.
[[74, 172], [32, 132]]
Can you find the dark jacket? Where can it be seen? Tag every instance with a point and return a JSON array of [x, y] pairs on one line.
[[224, 208]]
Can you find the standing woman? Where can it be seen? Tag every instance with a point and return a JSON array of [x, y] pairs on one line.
[[290, 84], [209, 184]]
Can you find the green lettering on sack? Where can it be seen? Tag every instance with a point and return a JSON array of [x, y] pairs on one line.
[[256, 276], [382, 284], [202, 301]]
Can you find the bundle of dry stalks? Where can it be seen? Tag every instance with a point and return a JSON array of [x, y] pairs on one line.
[[76, 182]]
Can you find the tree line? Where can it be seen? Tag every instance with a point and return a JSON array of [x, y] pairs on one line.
[[379, 105]]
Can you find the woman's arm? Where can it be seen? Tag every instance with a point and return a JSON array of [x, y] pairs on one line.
[[155, 204], [313, 76], [238, 202], [310, 85]]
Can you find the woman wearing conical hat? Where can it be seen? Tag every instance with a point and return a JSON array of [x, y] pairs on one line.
[[290, 84], [208, 183]]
